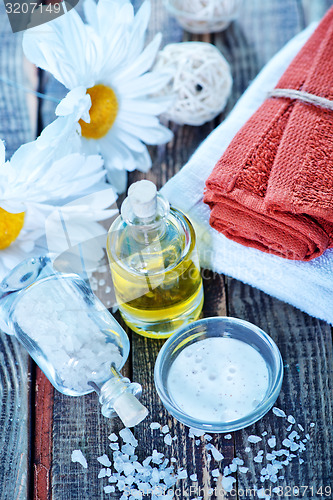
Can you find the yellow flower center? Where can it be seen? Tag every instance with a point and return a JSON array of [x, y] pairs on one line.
[[103, 112], [10, 227]]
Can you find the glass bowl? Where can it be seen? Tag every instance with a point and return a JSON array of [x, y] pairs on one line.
[[202, 19], [220, 327]]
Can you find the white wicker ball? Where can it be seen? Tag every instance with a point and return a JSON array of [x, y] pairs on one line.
[[201, 81], [204, 16]]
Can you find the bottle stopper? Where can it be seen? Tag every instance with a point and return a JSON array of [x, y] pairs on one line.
[[143, 199]]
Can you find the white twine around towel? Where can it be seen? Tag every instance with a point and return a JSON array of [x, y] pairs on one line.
[[299, 95]]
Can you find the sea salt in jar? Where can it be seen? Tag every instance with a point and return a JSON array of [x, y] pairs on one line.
[[219, 374], [70, 334]]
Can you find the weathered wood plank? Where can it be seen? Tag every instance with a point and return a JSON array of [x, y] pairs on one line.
[[306, 348], [247, 44], [15, 129], [261, 31]]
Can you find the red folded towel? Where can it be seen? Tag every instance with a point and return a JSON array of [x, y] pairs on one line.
[[273, 187]]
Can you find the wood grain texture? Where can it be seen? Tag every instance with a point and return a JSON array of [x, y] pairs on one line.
[[15, 129], [42, 415], [306, 347], [263, 28]]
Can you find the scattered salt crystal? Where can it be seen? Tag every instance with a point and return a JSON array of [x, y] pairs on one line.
[[301, 461], [193, 477], [277, 489], [157, 457], [260, 452], [286, 443], [128, 469], [228, 436], [165, 429], [114, 446], [247, 449], [107, 289], [270, 456], [227, 483], [233, 467], [104, 460], [102, 473], [307, 437], [254, 439], [208, 437], [182, 474], [109, 489], [77, 456], [173, 460], [195, 432], [258, 459], [146, 461], [237, 461], [272, 442], [293, 435], [215, 473], [294, 447], [215, 452], [108, 472], [264, 433], [291, 419], [128, 449], [243, 470], [300, 427], [168, 439], [128, 437], [278, 412], [312, 424], [197, 442], [226, 471], [289, 428], [155, 425], [101, 282], [113, 437]]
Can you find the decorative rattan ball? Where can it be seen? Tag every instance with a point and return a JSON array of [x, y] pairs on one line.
[[204, 16], [201, 81]]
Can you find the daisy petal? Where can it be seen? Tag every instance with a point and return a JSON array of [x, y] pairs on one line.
[[145, 84], [150, 135], [118, 178], [154, 106], [143, 63], [76, 102]]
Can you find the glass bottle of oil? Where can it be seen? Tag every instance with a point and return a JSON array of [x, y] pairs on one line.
[[154, 264]]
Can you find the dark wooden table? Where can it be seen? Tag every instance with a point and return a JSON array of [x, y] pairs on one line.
[[40, 427]]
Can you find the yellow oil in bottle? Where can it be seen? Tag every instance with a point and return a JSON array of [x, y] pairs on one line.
[[156, 274], [156, 305]]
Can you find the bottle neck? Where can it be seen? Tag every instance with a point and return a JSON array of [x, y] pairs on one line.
[[118, 396], [146, 229]]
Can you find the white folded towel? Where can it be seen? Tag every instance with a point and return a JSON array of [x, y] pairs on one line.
[[306, 285]]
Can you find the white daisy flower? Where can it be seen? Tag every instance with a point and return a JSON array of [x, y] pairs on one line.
[[105, 66], [34, 185]]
